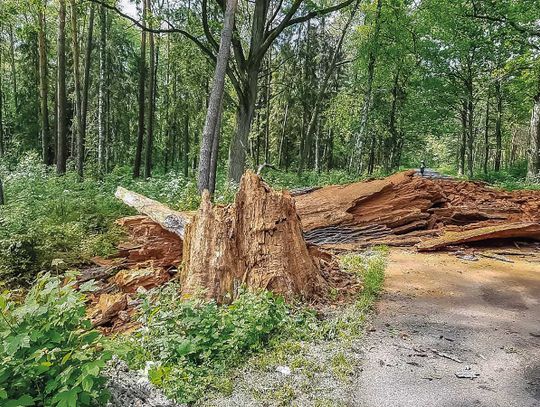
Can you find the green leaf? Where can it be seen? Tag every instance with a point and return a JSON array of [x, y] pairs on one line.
[[67, 398], [25, 400]]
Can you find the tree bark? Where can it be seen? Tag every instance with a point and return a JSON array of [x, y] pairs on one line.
[[61, 152], [13, 68], [211, 126], [256, 242], [486, 135], [150, 98], [533, 168], [463, 143], [86, 80], [78, 91], [214, 158], [46, 144], [186, 145], [470, 131], [355, 161], [2, 145], [102, 97], [498, 126], [141, 96], [171, 220]]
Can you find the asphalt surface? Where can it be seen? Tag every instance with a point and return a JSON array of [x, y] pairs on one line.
[[441, 317]]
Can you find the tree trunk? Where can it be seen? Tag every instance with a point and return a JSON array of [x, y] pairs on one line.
[[282, 139], [463, 143], [211, 125], [498, 126], [470, 130], [46, 144], [140, 100], [151, 99], [61, 152], [533, 168], [2, 199], [2, 145], [186, 145], [13, 68], [86, 80], [486, 136], [214, 158], [78, 91], [355, 161], [168, 219], [238, 146], [102, 97], [260, 245]]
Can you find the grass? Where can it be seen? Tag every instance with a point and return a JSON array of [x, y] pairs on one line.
[[319, 351]]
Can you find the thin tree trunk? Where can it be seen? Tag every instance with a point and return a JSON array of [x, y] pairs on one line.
[[268, 98], [86, 80], [102, 97], [2, 199], [392, 128], [330, 71], [486, 135], [216, 98], [186, 145], [150, 99], [214, 158], [282, 139], [355, 161], [141, 96], [470, 128], [2, 145], [13, 68], [61, 151], [463, 143], [533, 168], [46, 145], [78, 90], [498, 126]]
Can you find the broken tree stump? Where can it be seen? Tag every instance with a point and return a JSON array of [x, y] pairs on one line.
[[256, 242]]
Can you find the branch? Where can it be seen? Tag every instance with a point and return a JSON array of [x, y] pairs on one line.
[[288, 20], [516, 26], [172, 29], [206, 28]]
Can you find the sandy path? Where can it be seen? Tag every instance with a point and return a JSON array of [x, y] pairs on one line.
[[485, 313]]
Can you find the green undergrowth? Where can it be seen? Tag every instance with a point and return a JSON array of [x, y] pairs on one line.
[[49, 353], [189, 348], [47, 217]]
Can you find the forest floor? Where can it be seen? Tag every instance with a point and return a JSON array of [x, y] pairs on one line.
[[438, 317]]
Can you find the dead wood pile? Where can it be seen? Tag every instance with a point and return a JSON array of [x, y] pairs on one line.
[[256, 242], [406, 209]]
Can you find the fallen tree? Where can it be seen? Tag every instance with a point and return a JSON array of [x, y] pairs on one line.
[[406, 209], [168, 219]]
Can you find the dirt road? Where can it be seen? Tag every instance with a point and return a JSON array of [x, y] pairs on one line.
[[440, 317]]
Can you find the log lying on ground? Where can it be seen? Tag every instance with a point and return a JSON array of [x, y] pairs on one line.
[[171, 220], [256, 242], [528, 230], [395, 209]]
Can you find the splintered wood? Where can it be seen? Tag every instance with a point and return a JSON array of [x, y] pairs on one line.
[[406, 209], [256, 242]]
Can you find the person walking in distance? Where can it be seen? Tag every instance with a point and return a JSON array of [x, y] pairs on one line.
[[422, 168]]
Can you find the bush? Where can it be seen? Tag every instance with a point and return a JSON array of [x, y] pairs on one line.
[[49, 354], [191, 343]]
